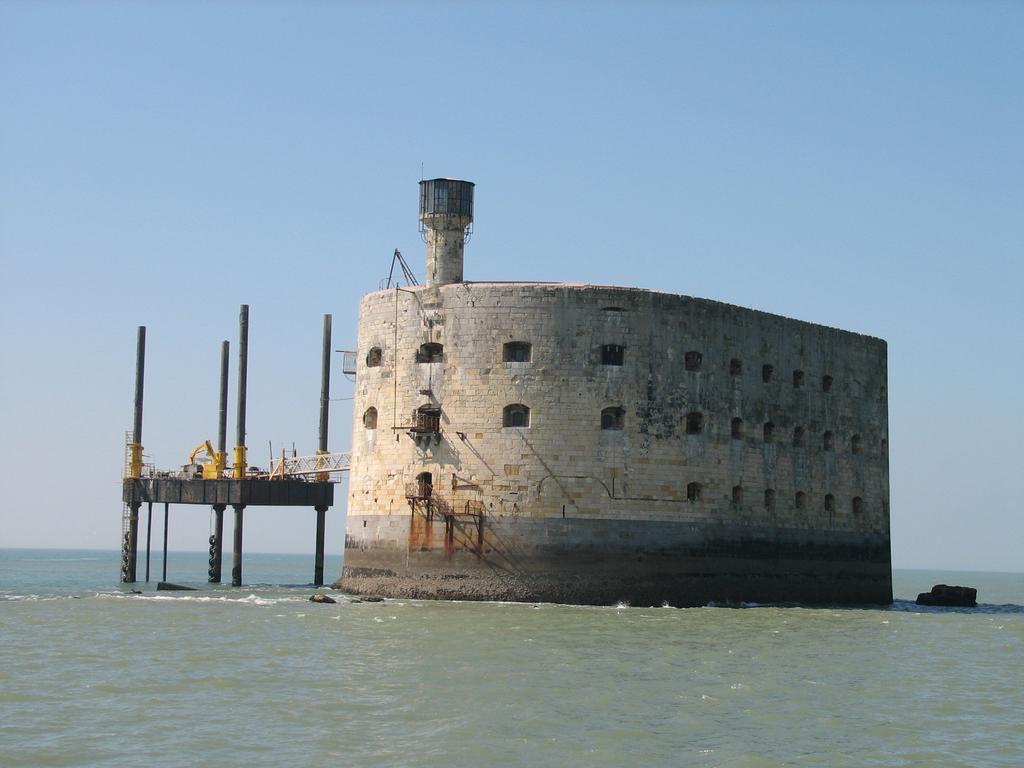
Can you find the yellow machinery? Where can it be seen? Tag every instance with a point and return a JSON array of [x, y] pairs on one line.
[[211, 464]]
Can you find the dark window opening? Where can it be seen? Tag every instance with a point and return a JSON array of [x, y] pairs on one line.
[[737, 495], [694, 491], [517, 415], [800, 500], [826, 383], [612, 309], [769, 499], [737, 429], [735, 367], [517, 352], [828, 441], [767, 371], [798, 379], [694, 423], [613, 418], [769, 431], [830, 502], [858, 505], [370, 418], [855, 444], [373, 357], [799, 437], [693, 360], [430, 353], [424, 485], [612, 354]]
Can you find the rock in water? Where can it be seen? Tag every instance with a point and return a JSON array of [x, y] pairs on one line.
[[322, 599], [166, 586], [951, 597]]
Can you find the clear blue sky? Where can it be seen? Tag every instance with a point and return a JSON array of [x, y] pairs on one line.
[[853, 164]]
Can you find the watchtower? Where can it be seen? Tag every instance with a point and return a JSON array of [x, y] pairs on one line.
[[446, 223]]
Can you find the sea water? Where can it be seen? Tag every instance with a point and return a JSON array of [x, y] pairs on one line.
[[94, 674]]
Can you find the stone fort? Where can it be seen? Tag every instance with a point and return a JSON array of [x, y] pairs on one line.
[[593, 444]]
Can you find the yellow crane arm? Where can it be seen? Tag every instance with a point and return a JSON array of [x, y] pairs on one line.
[[213, 463]]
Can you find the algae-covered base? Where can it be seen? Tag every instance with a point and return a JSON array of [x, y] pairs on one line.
[[605, 562]]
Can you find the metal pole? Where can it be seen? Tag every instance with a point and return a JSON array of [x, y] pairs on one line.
[[240, 457], [222, 420], [149, 534], [325, 383], [318, 566], [166, 516], [325, 398], [140, 373], [236, 564], [243, 367], [217, 545], [130, 546]]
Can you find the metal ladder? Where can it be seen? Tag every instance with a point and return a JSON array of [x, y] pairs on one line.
[[126, 514]]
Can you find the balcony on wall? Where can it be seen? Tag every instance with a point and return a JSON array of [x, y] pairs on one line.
[[426, 426]]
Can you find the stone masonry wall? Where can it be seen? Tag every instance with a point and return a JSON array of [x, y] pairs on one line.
[[565, 465]]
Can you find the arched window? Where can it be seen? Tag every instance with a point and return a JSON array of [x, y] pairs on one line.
[[613, 418], [693, 360], [517, 352], [827, 441], [830, 502], [858, 505], [799, 437], [769, 431], [826, 383], [694, 491], [373, 357], [612, 354], [800, 500], [370, 418], [855, 444], [798, 379], [430, 353], [766, 372], [737, 495], [694, 423], [516, 415], [737, 428], [769, 498], [735, 367]]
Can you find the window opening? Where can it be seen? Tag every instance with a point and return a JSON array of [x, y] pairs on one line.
[[424, 485], [830, 502], [799, 438], [370, 418], [826, 383], [694, 423], [735, 367], [516, 415], [694, 491], [373, 357], [430, 353], [769, 431], [517, 352], [612, 354], [827, 441], [737, 495], [800, 500], [769, 498], [798, 379], [693, 360], [855, 444], [737, 428], [858, 505], [613, 418], [766, 373]]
